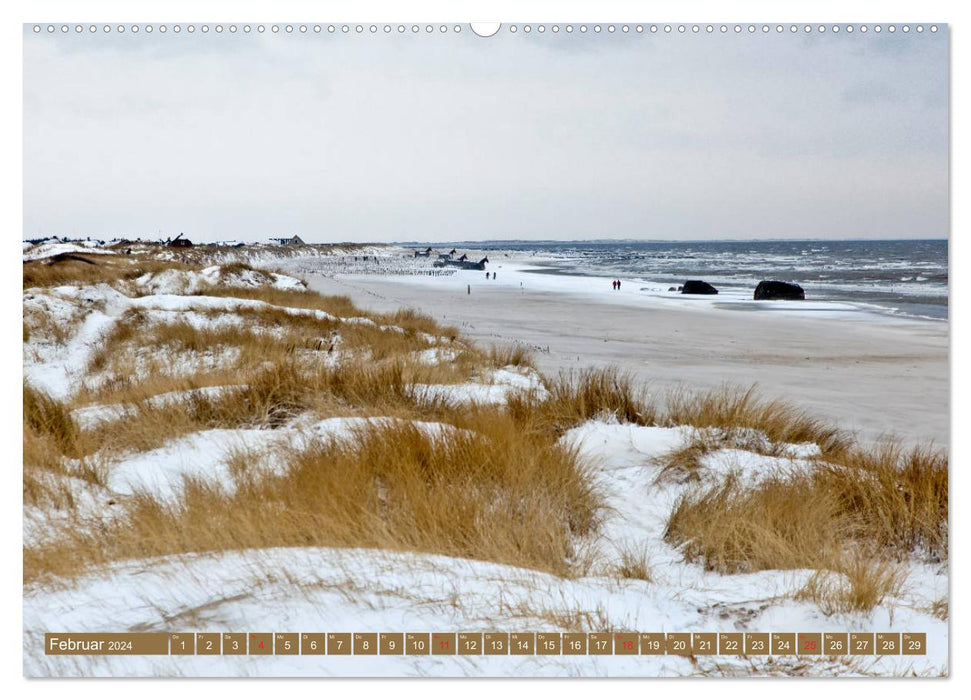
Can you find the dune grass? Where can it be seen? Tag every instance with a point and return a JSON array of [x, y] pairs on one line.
[[93, 268], [515, 354], [55, 451], [290, 298], [575, 397], [781, 524], [489, 491], [730, 408], [940, 608], [495, 494], [685, 461], [49, 432], [267, 395], [855, 583], [141, 357], [49, 419], [634, 563], [891, 503]]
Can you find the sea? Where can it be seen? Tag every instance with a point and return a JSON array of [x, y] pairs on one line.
[[901, 277]]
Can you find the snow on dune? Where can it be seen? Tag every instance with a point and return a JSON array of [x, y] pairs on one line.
[[60, 376], [436, 356], [49, 250], [750, 468], [89, 503], [58, 370], [202, 303], [494, 389], [358, 590], [204, 455], [622, 455], [89, 417], [355, 590], [173, 281]]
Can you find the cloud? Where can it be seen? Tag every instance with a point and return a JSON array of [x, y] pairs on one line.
[[451, 136]]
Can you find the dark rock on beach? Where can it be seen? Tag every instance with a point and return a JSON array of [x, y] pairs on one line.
[[697, 287], [779, 290]]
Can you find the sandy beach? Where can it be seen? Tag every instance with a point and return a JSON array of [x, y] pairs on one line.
[[874, 374]]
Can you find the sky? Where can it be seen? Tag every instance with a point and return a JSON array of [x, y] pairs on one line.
[[443, 137]]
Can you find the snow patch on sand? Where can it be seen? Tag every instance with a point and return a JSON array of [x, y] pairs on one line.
[[494, 389], [436, 356]]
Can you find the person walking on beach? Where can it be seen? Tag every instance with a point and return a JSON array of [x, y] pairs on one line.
[[618, 285]]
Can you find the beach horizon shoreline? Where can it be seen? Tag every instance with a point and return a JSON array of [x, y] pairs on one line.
[[874, 374]]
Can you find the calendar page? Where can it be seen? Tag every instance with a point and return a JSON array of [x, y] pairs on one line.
[[283, 417]]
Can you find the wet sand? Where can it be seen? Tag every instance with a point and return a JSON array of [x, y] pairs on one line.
[[875, 377]]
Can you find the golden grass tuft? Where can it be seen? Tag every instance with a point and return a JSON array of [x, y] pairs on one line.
[[634, 563], [414, 322], [575, 397], [50, 439], [780, 524], [940, 608], [79, 269], [232, 269], [685, 461], [855, 584], [730, 408], [515, 354], [494, 494], [893, 497], [889, 501], [47, 418]]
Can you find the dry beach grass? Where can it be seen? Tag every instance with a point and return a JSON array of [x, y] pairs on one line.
[[495, 494], [888, 502]]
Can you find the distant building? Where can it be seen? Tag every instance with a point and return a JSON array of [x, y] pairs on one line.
[[179, 242], [292, 240]]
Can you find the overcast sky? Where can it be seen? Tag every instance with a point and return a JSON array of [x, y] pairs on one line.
[[456, 137]]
